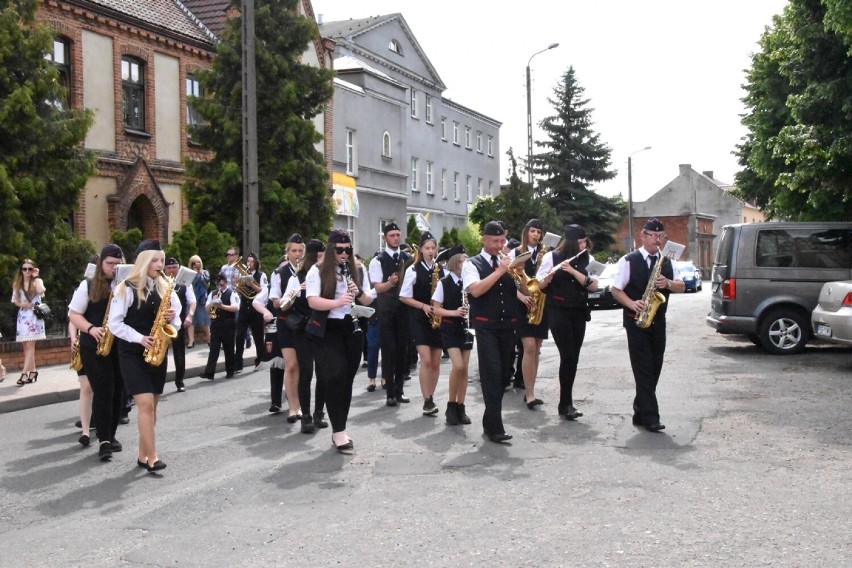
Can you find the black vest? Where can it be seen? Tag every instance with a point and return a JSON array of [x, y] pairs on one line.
[[639, 274], [531, 265], [389, 301], [564, 291], [94, 314], [300, 303], [245, 303], [223, 316], [180, 290], [423, 283], [452, 301], [140, 318], [497, 308]]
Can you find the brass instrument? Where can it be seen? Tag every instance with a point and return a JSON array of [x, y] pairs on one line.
[[76, 360], [107, 338], [247, 286], [652, 298], [435, 319], [214, 310], [530, 286], [162, 331]]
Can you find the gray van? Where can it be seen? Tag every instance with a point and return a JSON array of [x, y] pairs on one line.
[[767, 278]]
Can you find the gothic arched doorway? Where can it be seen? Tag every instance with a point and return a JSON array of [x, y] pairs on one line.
[[142, 215]]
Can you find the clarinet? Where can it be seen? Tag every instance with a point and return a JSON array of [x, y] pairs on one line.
[[347, 278], [468, 336]]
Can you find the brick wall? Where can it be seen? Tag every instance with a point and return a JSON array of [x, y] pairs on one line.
[[51, 351]]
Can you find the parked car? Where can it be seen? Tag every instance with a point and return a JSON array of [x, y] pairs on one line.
[[691, 275], [832, 318], [602, 297], [767, 278]]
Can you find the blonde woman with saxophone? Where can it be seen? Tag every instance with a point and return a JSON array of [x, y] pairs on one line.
[[647, 346], [416, 293], [87, 312], [139, 304], [564, 278]]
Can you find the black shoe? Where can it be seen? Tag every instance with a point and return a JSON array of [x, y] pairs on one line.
[[463, 417], [343, 447], [274, 409], [293, 418], [406, 378], [180, 386], [208, 376], [84, 440], [124, 419], [141, 464], [452, 414], [499, 438], [371, 387], [78, 424], [115, 446], [531, 404], [445, 355], [308, 425], [319, 421], [391, 401], [402, 398], [156, 466], [104, 452], [636, 420], [655, 427], [230, 375], [571, 413], [429, 408]]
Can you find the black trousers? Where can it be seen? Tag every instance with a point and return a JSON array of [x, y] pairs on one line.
[[304, 346], [647, 348], [179, 352], [394, 335], [221, 337], [568, 327], [494, 352], [338, 355], [248, 318], [108, 398]]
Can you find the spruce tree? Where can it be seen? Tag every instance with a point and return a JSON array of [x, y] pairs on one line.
[[293, 191], [574, 158]]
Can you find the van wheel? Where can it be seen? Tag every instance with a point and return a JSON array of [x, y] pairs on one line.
[[783, 332]]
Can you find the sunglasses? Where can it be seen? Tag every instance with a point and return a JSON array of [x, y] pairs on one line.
[[343, 250], [231, 254], [653, 236], [30, 268]]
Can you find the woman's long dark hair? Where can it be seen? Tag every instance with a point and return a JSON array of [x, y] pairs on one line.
[[99, 287], [308, 261], [329, 270]]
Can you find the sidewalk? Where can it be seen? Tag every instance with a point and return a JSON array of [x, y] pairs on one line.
[[58, 383]]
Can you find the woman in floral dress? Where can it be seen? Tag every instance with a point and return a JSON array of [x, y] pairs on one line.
[[27, 291]]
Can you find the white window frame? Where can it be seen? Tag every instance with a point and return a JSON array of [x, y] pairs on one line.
[[456, 186], [490, 145], [428, 109], [479, 141], [415, 164], [444, 128], [467, 138], [455, 133], [491, 188], [429, 187], [479, 187], [444, 183], [386, 145], [381, 233], [469, 187], [351, 157], [414, 103]]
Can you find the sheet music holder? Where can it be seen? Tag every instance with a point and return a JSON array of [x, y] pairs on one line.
[[673, 250]]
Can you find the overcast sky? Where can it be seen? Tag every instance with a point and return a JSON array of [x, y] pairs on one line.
[[659, 73]]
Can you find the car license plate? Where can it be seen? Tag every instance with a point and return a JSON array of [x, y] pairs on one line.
[[823, 330]]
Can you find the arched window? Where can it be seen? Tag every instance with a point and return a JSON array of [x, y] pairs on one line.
[[386, 145], [394, 46]]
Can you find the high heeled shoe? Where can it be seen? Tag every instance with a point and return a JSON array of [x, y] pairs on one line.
[[23, 380], [33, 377]]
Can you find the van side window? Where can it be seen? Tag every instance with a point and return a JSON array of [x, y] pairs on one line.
[[804, 248]]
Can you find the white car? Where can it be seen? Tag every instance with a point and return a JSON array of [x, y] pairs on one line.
[[832, 317]]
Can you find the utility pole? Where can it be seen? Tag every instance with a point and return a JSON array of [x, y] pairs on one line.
[[251, 217]]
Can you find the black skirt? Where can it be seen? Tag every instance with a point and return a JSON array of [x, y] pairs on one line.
[[140, 377], [524, 329], [456, 340], [421, 330], [285, 336]]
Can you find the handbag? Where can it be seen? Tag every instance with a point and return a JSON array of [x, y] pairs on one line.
[[316, 323], [42, 311], [295, 320]]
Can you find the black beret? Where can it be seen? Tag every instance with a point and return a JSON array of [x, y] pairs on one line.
[[221, 277], [575, 232], [427, 236], [339, 236], [171, 260], [314, 245], [111, 250], [513, 243], [390, 227], [494, 229], [653, 224], [448, 253], [534, 224], [252, 255], [295, 238], [149, 244]]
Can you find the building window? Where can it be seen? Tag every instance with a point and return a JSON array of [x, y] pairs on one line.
[[386, 145], [469, 189], [444, 128], [479, 141], [61, 59], [193, 90], [395, 46], [429, 109], [455, 133], [133, 91], [456, 186], [467, 137], [413, 104], [491, 189], [479, 187], [429, 188], [350, 151], [490, 145], [443, 184], [415, 164]]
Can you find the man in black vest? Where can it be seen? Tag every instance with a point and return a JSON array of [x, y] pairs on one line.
[[386, 277], [222, 305], [493, 314], [646, 346], [187, 309]]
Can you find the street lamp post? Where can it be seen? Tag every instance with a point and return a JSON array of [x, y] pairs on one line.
[[529, 114], [630, 235]]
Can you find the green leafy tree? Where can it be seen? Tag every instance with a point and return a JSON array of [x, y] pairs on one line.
[[574, 158], [293, 191], [515, 205], [797, 155], [128, 241], [412, 232], [208, 242], [43, 166], [449, 238]]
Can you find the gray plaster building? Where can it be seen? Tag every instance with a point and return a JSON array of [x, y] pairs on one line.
[[399, 148]]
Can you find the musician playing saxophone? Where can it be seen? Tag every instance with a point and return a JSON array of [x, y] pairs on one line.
[[87, 312], [136, 305], [416, 293], [646, 346]]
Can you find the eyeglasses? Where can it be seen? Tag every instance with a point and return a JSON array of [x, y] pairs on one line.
[[653, 236], [343, 250], [231, 254], [112, 264], [30, 268]]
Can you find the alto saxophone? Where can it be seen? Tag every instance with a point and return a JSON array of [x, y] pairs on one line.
[[107, 338], [652, 298], [76, 360], [435, 319], [162, 331]]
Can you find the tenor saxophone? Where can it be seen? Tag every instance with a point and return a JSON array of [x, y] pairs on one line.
[[76, 360], [162, 331], [652, 298], [107, 338], [435, 319]]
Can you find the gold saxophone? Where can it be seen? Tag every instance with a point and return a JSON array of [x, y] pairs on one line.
[[76, 360], [107, 338], [531, 285], [162, 331], [435, 319], [652, 298]]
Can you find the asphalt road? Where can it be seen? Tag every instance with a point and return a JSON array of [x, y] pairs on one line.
[[752, 470]]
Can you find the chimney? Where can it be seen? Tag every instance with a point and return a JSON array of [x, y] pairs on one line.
[[708, 174], [685, 169]]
